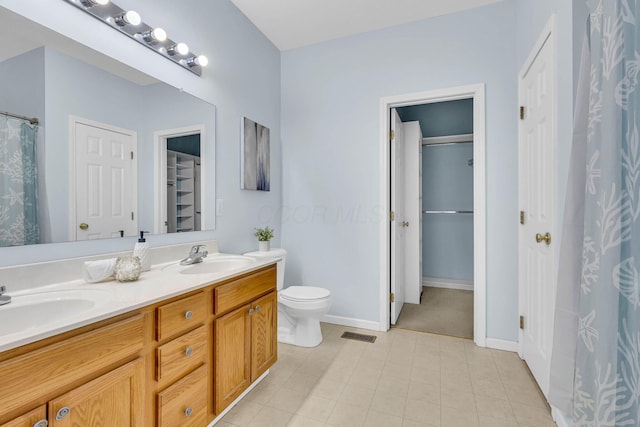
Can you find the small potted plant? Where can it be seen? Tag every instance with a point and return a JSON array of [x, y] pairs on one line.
[[264, 236]]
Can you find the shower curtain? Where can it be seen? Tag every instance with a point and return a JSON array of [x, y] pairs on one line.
[[596, 360], [18, 183]]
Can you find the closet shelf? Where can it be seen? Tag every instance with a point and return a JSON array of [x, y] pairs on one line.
[[447, 212]]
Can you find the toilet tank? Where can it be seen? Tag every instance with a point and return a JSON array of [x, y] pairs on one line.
[[274, 253]]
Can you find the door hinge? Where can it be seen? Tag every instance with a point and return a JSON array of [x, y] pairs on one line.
[[392, 135], [131, 216], [522, 217], [521, 322], [392, 216], [132, 155], [392, 297], [521, 112]]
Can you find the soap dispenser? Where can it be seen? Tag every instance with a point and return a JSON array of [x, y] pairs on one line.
[[141, 250]]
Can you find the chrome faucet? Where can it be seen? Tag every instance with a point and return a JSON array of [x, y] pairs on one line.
[[195, 255], [4, 299]]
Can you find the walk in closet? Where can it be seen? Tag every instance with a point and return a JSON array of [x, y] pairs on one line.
[[447, 269]]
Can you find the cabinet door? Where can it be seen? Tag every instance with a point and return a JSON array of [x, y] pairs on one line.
[[232, 343], [114, 399], [34, 418], [264, 340]]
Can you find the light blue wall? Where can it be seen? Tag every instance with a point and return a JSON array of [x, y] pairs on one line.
[[330, 125], [25, 96], [441, 118], [447, 239], [243, 79]]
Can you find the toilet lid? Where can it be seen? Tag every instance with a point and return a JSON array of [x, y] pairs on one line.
[[304, 293]]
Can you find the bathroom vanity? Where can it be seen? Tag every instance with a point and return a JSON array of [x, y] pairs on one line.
[[174, 358]]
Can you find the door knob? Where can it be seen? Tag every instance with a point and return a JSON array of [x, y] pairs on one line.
[[83, 226], [405, 223], [546, 238]]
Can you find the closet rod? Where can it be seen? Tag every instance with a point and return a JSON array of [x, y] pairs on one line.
[[448, 139], [31, 120], [447, 212]]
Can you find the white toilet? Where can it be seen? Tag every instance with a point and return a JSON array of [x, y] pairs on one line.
[[299, 307]]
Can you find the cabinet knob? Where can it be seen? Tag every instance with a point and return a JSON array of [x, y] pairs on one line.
[[250, 311], [188, 351], [62, 413], [257, 308], [41, 423], [188, 412], [188, 315]]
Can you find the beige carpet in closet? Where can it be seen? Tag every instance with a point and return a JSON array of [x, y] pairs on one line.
[[441, 311]]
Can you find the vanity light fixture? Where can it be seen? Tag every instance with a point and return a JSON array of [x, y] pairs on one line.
[[130, 23]]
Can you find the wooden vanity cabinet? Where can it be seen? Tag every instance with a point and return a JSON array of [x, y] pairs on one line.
[[95, 375], [34, 418], [178, 362], [245, 339]]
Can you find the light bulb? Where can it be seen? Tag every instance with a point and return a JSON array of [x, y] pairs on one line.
[[155, 35], [200, 60], [180, 48], [130, 17]]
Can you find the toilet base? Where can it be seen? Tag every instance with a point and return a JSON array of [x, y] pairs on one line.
[[304, 333]]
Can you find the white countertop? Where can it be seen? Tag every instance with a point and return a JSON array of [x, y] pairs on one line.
[[163, 281]]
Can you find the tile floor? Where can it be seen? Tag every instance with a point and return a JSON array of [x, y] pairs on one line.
[[403, 379]]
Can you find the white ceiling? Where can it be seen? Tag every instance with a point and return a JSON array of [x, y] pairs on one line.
[[296, 23]]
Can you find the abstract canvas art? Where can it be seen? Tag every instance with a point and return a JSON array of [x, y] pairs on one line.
[[255, 173]]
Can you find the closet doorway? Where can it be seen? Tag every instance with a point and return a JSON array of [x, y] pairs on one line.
[[447, 293]]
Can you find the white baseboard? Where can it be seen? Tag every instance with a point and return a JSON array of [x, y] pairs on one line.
[[349, 321], [436, 282], [562, 419], [502, 344]]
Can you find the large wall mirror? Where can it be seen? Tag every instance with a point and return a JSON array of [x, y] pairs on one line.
[[115, 151]]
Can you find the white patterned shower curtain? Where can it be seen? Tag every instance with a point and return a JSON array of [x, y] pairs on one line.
[[19, 224], [596, 360]]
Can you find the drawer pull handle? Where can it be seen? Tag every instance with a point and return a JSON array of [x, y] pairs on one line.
[[188, 315], [188, 412], [62, 413], [188, 351], [41, 423], [257, 308]]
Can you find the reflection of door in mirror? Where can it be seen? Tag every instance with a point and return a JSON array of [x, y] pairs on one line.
[[105, 177], [181, 182]]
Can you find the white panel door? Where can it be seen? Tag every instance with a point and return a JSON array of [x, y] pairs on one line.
[[537, 201], [412, 140], [397, 207], [104, 183]]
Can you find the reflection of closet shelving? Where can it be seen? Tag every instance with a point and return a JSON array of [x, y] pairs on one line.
[[181, 188]]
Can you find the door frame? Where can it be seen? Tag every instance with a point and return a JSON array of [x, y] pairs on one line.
[[477, 92], [548, 34], [160, 173], [73, 121]]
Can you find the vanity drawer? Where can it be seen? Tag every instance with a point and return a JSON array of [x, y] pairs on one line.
[[50, 368], [185, 402], [182, 354], [30, 419], [180, 316], [243, 290]]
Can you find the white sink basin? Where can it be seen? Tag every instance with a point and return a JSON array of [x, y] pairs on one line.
[[33, 310], [218, 264]]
